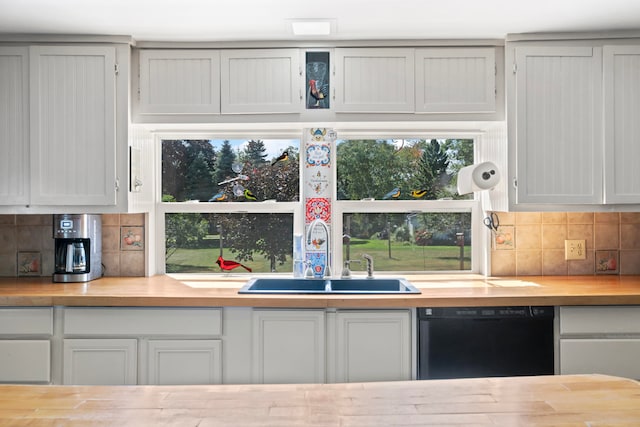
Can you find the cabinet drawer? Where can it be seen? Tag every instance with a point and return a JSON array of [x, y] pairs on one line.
[[600, 356], [26, 321], [600, 320], [25, 361], [143, 321]]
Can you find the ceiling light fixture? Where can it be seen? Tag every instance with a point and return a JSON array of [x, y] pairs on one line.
[[312, 27]]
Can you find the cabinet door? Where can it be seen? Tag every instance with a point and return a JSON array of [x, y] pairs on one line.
[[25, 361], [184, 362], [179, 81], [373, 346], [608, 356], [558, 125], [72, 129], [374, 80], [621, 124], [455, 80], [100, 361], [288, 346], [14, 126], [261, 81]]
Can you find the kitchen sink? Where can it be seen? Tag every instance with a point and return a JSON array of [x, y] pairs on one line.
[[285, 285]]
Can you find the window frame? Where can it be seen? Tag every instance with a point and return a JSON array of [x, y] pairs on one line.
[[163, 208], [339, 207]]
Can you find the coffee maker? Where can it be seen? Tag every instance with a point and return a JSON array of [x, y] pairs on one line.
[[78, 247]]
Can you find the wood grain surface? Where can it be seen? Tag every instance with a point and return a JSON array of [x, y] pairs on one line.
[[581, 400], [437, 290]]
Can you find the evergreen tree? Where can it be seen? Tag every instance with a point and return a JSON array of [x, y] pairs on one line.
[[255, 152], [432, 170], [225, 161], [199, 180]]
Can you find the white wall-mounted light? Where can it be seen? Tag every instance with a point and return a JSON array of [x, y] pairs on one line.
[[312, 27]]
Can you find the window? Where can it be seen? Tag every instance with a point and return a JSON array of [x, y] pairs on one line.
[[233, 205], [397, 202], [228, 204]]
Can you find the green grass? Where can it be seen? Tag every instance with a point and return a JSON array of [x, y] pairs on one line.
[[404, 257]]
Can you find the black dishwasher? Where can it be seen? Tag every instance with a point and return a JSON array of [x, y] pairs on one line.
[[469, 342]]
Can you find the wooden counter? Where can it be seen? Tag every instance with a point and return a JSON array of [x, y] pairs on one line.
[[581, 400], [437, 290]]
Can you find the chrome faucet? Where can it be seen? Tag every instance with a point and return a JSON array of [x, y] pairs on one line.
[[369, 260], [312, 226], [346, 272]]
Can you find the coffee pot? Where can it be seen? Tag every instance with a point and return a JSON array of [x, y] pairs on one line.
[[78, 247]]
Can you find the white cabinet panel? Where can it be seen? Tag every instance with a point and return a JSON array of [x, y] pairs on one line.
[[72, 128], [14, 125], [621, 124], [374, 80], [373, 346], [184, 362], [179, 81], [25, 361], [100, 361], [619, 357], [261, 81], [26, 321], [600, 339], [142, 321], [600, 320], [558, 124], [288, 346], [455, 80]]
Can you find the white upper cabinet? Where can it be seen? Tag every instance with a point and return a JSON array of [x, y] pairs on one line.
[[621, 123], [14, 125], [179, 82], [72, 125], [558, 124], [256, 81], [376, 80], [455, 80]]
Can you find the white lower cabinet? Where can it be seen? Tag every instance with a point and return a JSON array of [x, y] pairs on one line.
[[171, 362], [601, 340], [25, 344], [288, 346], [372, 345], [134, 345], [100, 361], [25, 361], [317, 346]]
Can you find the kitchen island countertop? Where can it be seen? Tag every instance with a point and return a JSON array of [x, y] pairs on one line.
[[221, 291], [593, 400]]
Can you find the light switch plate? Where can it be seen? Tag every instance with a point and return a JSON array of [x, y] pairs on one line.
[[574, 249]]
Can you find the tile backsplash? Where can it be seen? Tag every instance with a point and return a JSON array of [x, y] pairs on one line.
[[32, 234], [538, 244]]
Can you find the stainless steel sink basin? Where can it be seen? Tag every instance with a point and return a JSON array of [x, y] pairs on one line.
[[285, 285]]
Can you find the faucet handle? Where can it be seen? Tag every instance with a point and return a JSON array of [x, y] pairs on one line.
[[308, 272]]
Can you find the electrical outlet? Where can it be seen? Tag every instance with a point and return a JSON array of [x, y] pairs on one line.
[[574, 249]]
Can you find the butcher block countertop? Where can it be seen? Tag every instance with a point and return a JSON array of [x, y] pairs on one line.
[[221, 291], [576, 400]]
